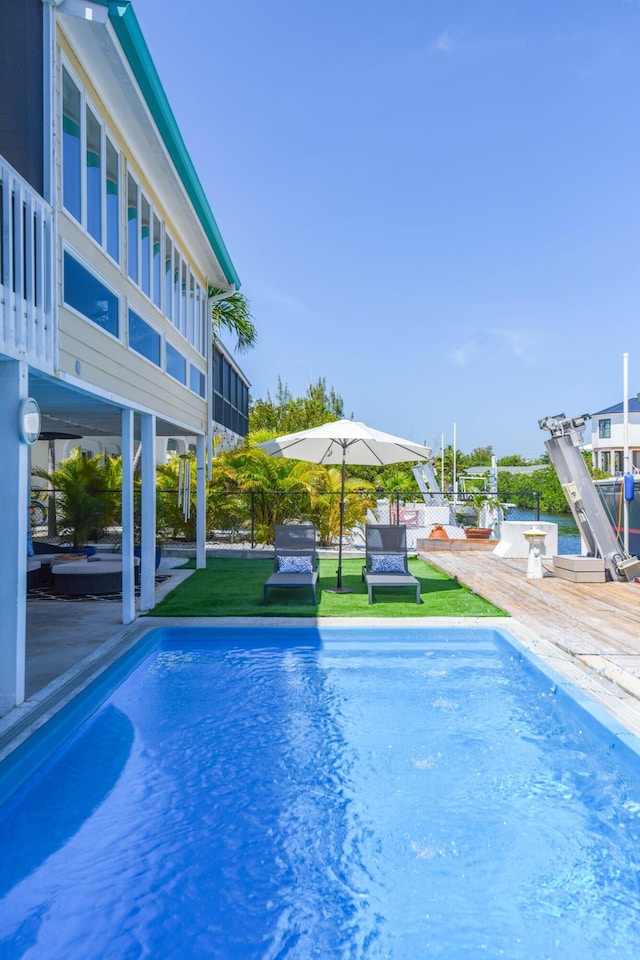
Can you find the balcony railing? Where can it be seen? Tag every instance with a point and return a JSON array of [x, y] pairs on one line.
[[26, 272]]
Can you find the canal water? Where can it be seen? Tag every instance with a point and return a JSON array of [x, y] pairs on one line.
[[568, 535]]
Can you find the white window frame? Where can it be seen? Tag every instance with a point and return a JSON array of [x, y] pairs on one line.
[[91, 268], [105, 131]]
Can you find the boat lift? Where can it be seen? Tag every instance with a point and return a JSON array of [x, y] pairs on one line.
[[564, 452]]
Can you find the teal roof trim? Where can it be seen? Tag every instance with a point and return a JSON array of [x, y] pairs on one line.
[[137, 53]]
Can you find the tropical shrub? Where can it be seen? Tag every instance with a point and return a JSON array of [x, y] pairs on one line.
[[88, 495]]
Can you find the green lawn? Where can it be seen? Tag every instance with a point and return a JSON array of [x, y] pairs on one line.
[[233, 588]]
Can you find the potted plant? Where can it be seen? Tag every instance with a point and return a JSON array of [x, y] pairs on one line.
[[479, 501]]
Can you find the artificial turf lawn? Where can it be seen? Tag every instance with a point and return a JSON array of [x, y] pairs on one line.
[[233, 588]]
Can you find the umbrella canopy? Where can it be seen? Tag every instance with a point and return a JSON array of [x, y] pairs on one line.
[[346, 441], [342, 442]]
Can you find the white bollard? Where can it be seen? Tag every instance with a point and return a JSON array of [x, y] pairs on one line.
[[535, 538]]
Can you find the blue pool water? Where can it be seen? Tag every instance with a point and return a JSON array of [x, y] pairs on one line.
[[335, 794]]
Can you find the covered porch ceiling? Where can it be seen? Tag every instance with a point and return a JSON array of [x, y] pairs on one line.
[[68, 411]]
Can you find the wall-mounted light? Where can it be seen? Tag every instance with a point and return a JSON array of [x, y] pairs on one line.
[[29, 421]]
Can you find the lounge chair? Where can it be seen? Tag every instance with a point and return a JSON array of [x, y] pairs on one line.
[[295, 563], [386, 558]]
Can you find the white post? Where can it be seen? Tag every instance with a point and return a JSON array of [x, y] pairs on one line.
[[14, 492], [148, 513], [201, 505], [442, 462], [455, 462], [625, 454], [128, 585]]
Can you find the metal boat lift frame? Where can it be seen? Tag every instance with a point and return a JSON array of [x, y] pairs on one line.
[[588, 510]]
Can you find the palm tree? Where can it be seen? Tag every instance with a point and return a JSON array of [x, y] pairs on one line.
[[88, 493], [279, 489], [230, 311], [325, 501]]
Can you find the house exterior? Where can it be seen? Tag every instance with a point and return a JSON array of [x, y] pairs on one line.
[[607, 438], [108, 248]]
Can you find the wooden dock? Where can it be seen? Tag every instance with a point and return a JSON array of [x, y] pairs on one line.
[[593, 627]]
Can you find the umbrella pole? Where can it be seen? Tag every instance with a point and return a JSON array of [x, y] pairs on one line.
[[339, 584], [338, 587]]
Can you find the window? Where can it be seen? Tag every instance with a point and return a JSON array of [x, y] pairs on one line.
[[71, 151], [86, 294], [90, 169], [145, 245], [230, 396], [143, 338], [604, 429], [191, 331], [157, 262], [183, 306], [132, 228], [168, 254], [176, 364], [197, 381], [176, 288], [94, 176], [113, 201]]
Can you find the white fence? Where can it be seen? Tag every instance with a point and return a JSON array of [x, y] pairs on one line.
[[26, 272]]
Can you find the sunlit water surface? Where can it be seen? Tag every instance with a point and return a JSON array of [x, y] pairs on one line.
[[416, 797]]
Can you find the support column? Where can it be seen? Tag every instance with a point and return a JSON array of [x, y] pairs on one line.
[[148, 513], [201, 505], [14, 491], [128, 585]]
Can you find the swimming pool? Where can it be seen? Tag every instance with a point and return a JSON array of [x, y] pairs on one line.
[[331, 793]]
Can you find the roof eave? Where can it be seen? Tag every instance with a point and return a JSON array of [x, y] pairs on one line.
[[127, 29]]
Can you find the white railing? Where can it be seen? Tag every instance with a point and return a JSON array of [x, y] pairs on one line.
[[26, 272]]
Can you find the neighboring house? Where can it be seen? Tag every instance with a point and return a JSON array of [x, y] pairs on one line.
[[607, 438], [108, 247]]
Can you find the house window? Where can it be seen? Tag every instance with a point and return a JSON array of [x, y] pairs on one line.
[[604, 429], [94, 176], [90, 169], [145, 245], [176, 364], [176, 288], [113, 201], [132, 228], [197, 381], [230, 396], [71, 150], [143, 338], [90, 297], [168, 254], [183, 308], [157, 262]]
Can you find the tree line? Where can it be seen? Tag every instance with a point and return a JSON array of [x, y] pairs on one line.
[[250, 488]]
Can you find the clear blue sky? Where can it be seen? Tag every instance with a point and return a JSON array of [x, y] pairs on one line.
[[434, 204]]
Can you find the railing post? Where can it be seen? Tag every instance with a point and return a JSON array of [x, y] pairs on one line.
[[253, 520], [537, 498]]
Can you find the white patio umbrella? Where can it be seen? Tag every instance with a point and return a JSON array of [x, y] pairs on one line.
[[343, 442]]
